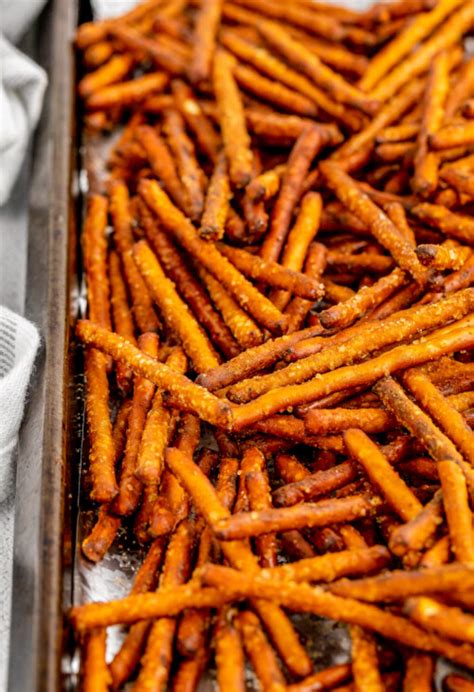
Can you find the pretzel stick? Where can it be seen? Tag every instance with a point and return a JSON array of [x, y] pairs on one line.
[[448, 621], [187, 104], [440, 409], [299, 161], [156, 660], [112, 71], [303, 598], [189, 170], [128, 656], [416, 533], [95, 674], [174, 311], [188, 287], [381, 474], [426, 162], [272, 273], [309, 63], [394, 328], [245, 294], [258, 649], [380, 225], [277, 70], [205, 499], [127, 93], [365, 663], [398, 585], [243, 328], [217, 202], [205, 31], [232, 121], [185, 394], [438, 445], [418, 61], [456, 507]]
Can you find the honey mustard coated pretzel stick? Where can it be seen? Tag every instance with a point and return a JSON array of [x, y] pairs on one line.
[[217, 202], [156, 660], [400, 46], [329, 567], [262, 657], [365, 664], [458, 513], [112, 71], [458, 226], [158, 428], [299, 161], [190, 172], [206, 501], [396, 359], [274, 92], [445, 620], [230, 659], [143, 390], [268, 64], [208, 255], [438, 445], [380, 225], [207, 139], [425, 179], [414, 64], [121, 314], [95, 260], [163, 165], [304, 598], [187, 285], [299, 239], [245, 331], [185, 394], [309, 63], [142, 306], [252, 360], [382, 474], [205, 30], [127, 93], [416, 533], [343, 314], [95, 673], [235, 137], [398, 585], [257, 485], [387, 115], [402, 325], [450, 420], [101, 452], [174, 311], [272, 273], [305, 515]]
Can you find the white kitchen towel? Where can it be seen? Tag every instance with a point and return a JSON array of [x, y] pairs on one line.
[[19, 340], [22, 86]]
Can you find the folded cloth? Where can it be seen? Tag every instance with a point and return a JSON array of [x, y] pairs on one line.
[[22, 86], [19, 340], [103, 9]]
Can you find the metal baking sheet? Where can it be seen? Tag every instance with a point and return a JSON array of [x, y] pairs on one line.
[[52, 516]]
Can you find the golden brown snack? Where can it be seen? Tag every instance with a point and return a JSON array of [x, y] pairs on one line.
[[185, 394], [232, 121], [216, 207], [173, 310], [205, 30], [248, 296]]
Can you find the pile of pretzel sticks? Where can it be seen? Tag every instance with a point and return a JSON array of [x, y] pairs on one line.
[[277, 356]]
